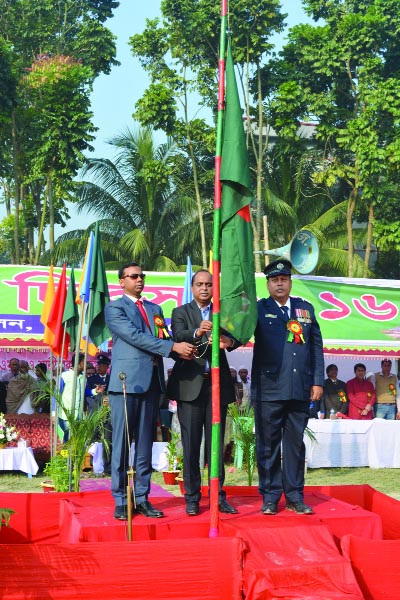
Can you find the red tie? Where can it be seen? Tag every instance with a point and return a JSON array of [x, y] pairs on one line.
[[139, 304]]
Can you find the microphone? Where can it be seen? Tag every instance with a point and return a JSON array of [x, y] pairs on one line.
[[122, 376]]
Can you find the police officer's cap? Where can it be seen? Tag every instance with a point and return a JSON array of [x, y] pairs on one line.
[[278, 267], [103, 360]]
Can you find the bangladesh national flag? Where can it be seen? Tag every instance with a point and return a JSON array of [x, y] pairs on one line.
[[238, 289], [98, 330]]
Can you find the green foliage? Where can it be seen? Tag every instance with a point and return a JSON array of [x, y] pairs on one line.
[[82, 431], [157, 108], [173, 451], [345, 75], [57, 470], [5, 516], [46, 125], [244, 436], [136, 199]]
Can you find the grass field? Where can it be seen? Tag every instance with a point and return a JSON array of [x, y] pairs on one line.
[[384, 480]]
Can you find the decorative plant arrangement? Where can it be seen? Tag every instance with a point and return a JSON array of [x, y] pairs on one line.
[[57, 471], [244, 436], [8, 433], [174, 453]]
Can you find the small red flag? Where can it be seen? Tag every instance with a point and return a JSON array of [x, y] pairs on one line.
[[54, 322]]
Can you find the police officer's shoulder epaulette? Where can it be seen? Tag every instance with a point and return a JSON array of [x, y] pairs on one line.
[[302, 300]]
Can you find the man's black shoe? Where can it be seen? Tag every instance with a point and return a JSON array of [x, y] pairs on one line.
[[269, 508], [225, 507], [192, 508], [147, 510], [300, 508], [121, 513]]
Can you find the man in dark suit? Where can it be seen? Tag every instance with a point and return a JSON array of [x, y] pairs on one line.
[[287, 373], [139, 343], [190, 385]]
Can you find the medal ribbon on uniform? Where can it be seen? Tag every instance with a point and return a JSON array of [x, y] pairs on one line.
[[342, 396], [392, 389], [160, 328], [295, 332]]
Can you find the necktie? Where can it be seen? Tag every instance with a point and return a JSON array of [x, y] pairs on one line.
[[139, 304], [204, 313], [285, 311]]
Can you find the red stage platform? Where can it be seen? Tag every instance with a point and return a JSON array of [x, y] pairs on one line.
[[74, 539]]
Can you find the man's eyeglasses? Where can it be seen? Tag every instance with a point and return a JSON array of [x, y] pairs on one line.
[[135, 276]]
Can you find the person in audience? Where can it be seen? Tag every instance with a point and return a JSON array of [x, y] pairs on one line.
[[13, 372], [238, 386], [361, 395], [244, 378], [40, 397], [387, 405], [335, 394], [18, 399], [66, 389], [97, 384]]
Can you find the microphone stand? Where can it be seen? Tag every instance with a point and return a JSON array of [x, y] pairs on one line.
[[130, 487]]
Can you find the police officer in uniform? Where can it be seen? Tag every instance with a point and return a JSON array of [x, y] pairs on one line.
[[287, 373], [98, 384]]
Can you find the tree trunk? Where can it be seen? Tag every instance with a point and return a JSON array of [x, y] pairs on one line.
[[17, 192], [42, 221], [196, 186], [349, 221], [370, 228], [51, 212]]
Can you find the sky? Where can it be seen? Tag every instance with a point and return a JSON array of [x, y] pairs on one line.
[[114, 95]]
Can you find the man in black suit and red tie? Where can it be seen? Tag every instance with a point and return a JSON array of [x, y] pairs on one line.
[[287, 373], [190, 385]]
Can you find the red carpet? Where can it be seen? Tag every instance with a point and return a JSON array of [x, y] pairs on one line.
[[286, 556]]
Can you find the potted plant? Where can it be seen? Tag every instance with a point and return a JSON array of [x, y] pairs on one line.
[[244, 436], [5, 516], [82, 431], [173, 451], [57, 471]]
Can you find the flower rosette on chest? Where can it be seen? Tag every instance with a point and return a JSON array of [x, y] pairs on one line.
[[342, 396], [295, 332], [392, 389], [160, 328]]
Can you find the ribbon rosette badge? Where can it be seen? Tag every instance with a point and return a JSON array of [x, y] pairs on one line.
[[160, 327], [295, 332], [392, 389], [342, 396]]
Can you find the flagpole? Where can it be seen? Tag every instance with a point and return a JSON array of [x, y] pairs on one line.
[[216, 387]]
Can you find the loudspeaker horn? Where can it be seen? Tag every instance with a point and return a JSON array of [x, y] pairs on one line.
[[302, 251]]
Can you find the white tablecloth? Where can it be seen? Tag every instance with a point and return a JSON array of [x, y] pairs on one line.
[[159, 458], [350, 443], [18, 459]]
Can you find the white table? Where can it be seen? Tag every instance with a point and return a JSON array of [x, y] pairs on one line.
[[18, 459], [351, 443], [159, 458]]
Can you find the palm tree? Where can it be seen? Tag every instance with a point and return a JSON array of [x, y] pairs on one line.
[[140, 212], [294, 200]]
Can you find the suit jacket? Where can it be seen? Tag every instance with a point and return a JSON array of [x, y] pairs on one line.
[[134, 346], [186, 379], [271, 340]]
